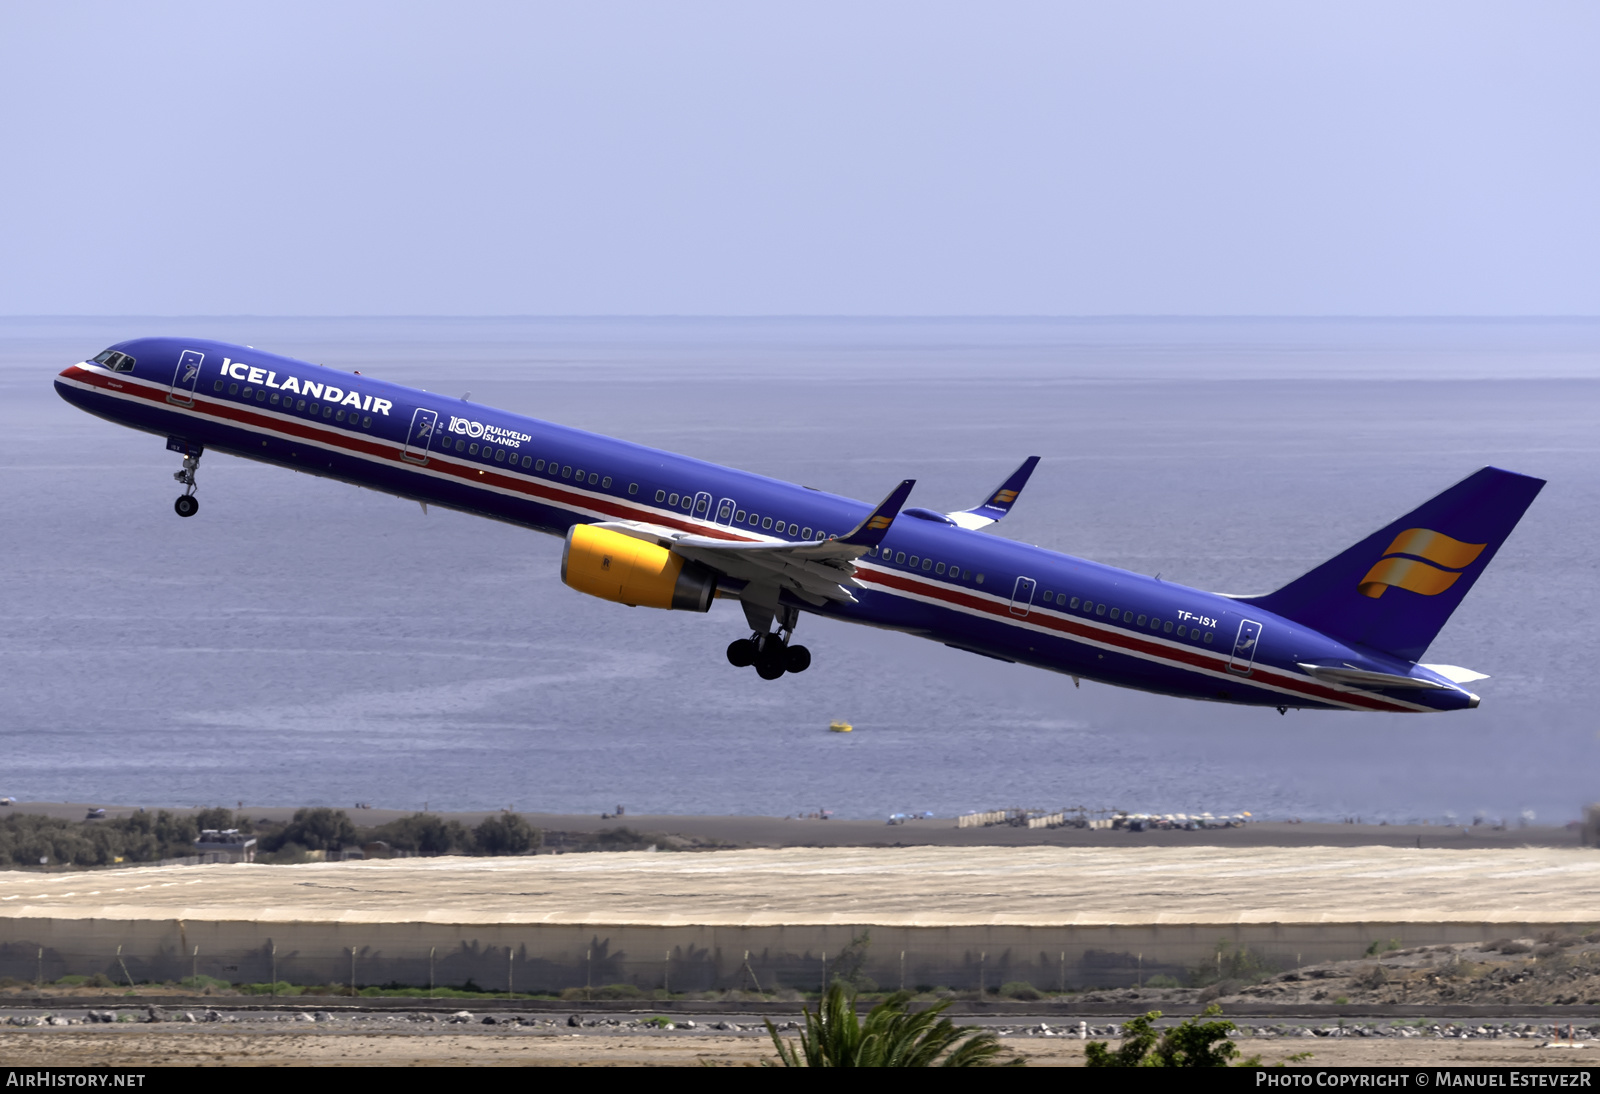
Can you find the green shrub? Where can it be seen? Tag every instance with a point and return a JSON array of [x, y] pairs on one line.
[[1191, 1044], [506, 834], [315, 829], [1021, 989]]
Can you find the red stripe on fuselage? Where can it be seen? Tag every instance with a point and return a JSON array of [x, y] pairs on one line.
[[437, 464]]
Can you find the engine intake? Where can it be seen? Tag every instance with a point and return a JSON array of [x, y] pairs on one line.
[[630, 571]]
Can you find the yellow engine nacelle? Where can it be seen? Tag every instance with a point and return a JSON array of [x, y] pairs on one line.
[[630, 571]]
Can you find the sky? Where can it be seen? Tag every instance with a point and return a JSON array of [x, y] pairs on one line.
[[923, 159]]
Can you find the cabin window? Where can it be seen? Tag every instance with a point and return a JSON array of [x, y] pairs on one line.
[[499, 455], [299, 404], [217, 386], [686, 502], [1155, 624], [566, 471], [633, 488], [366, 423], [461, 446], [605, 483], [594, 477], [980, 579], [738, 518], [1061, 598], [1208, 638], [927, 564], [340, 415], [794, 529], [527, 462], [274, 399], [1099, 609], [327, 411], [766, 522], [1115, 614], [661, 495], [913, 562], [577, 475], [261, 394], [700, 506], [805, 533], [246, 393], [1167, 626], [939, 569], [1074, 602], [900, 557], [1183, 631], [472, 449], [538, 465], [1140, 621], [1088, 607], [1049, 597]]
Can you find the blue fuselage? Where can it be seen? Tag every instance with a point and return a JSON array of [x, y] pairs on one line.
[[968, 589]]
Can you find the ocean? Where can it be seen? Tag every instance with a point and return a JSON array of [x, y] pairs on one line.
[[306, 642]]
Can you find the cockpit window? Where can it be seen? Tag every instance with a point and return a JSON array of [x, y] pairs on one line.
[[115, 361]]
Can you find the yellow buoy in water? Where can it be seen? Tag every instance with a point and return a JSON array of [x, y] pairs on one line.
[[840, 727]]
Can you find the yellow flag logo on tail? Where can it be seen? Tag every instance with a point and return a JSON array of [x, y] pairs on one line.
[[879, 522], [1437, 563], [1004, 497]]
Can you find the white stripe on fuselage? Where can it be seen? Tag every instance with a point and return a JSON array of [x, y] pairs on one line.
[[541, 491]]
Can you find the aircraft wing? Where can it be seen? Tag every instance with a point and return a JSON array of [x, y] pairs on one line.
[[814, 570], [999, 503]]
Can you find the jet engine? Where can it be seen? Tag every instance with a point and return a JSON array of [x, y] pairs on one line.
[[630, 571]]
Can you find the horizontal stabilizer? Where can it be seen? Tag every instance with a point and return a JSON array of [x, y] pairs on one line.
[[999, 503], [1395, 589], [1365, 678]]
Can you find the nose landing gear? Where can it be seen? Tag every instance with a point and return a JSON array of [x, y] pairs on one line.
[[187, 504]]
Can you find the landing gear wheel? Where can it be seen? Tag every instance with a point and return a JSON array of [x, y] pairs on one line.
[[187, 505], [796, 659], [769, 670], [741, 653]]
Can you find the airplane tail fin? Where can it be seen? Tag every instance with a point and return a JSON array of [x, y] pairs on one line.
[[1395, 589]]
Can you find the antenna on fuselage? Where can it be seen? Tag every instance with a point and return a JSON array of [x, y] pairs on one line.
[[467, 397]]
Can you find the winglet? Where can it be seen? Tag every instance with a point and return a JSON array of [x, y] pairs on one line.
[[870, 532], [1000, 502]]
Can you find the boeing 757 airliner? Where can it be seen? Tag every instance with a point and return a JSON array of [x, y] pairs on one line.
[[654, 529]]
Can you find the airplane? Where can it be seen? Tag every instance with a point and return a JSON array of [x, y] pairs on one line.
[[650, 528]]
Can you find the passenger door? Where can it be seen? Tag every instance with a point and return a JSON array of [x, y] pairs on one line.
[[725, 510], [424, 423], [1022, 595], [186, 377], [1244, 647]]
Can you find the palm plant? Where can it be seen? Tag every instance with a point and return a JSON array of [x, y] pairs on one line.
[[891, 1036]]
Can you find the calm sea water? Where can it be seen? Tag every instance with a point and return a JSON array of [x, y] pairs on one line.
[[306, 642]]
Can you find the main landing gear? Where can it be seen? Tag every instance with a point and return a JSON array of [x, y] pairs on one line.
[[187, 504], [770, 651]]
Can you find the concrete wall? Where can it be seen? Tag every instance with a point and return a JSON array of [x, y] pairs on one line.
[[549, 958]]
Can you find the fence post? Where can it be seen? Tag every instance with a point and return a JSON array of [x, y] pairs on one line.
[[352, 970], [40, 982], [194, 967], [902, 970], [430, 970], [982, 956], [124, 965], [588, 973], [824, 972], [666, 971], [274, 970], [510, 953]]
